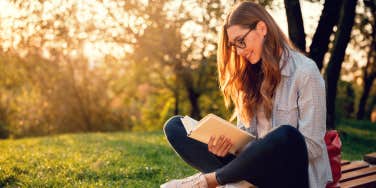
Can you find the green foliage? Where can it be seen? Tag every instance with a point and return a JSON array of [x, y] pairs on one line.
[[156, 110], [168, 66], [345, 100], [4, 132], [40, 97]]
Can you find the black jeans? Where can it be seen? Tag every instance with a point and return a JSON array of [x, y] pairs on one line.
[[279, 159]]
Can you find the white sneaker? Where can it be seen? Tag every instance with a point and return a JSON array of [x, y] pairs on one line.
[[239, 184], [196, 181]]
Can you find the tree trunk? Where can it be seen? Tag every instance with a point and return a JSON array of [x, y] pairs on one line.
[[195, 108], [295, 23], [332, 72], [363, 100], [369, 71], [176, 96], [82, 107], [320, 42], [4, 114]]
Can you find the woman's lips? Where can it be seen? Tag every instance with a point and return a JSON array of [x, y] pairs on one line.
[[249, 55]]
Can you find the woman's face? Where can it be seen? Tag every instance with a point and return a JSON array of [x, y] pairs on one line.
[[251, 47]]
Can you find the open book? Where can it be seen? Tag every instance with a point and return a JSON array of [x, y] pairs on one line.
[[212, 125]]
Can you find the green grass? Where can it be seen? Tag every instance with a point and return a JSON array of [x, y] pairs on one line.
[[90, 160], [122, 159], [358, 138]]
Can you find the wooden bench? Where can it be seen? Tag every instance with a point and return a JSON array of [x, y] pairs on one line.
[[370, 158], [359, 174]]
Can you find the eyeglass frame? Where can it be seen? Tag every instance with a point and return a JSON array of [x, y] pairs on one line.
[[241, 39]]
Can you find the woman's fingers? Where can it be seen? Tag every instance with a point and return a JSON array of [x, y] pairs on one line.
[[220, 142], [225, 148], [221, 147], [211, 143], [218, 145]]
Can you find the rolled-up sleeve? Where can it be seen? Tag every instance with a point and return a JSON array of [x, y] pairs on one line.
[[239, 122], [312, 110]]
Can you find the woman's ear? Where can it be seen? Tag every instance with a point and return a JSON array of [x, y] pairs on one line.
[[261, 28]]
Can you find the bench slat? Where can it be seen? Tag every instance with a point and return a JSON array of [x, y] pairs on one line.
[[370, 158], [345, 162], [358, 174], [364, 182], [354, 166]]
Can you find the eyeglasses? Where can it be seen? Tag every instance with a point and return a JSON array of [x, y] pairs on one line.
[[240, 43]]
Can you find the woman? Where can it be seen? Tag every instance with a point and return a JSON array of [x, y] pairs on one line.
[[279, 96]]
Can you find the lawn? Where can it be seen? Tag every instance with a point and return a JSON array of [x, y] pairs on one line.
[[358, 138], [90, 160], [121, 159]]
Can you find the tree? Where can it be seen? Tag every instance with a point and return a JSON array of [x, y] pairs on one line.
[[188, 62], [320, 43], [369, 71], [332, 72], [321, 39], [295, 24], [68, 92]]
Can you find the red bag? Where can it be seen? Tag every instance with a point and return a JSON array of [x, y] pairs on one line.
[[333, 144]]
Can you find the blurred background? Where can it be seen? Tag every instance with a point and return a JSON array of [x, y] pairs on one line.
[[108, 65]]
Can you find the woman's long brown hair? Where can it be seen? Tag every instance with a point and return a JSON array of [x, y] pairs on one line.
[[242, 83]]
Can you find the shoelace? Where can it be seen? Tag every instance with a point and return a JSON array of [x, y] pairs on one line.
[[194, 181]]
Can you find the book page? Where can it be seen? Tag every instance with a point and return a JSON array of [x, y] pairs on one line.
[[212, 125], [189, 124]]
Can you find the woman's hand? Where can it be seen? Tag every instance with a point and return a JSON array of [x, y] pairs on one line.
[[221, 146]]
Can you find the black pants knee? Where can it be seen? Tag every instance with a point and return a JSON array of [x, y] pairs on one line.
[[280, 159]]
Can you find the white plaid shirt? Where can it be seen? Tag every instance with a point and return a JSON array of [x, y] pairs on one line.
[[300, 99]]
